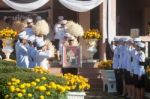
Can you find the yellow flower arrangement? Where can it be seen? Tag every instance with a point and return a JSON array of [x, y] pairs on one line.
[[105, 64], [92, 34], [76, 82], [39, 69], [8, 33]]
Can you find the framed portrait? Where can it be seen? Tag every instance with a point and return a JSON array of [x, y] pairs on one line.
[[72, 57]]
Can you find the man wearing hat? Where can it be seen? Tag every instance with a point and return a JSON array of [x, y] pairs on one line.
[[22, 51], [42, 54], [32, 51], [116, 57]]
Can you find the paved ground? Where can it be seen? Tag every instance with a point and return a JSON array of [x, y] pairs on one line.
[[101, 95]]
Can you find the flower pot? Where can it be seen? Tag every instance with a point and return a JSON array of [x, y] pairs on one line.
[[109, 81], [92, 48], [8, 47], [76, 95]]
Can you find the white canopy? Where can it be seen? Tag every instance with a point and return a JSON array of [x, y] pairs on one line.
[[80, 6], [25, 7]]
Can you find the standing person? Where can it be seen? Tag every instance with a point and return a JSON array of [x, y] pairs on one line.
[[140, 71], [58, 32], [42, 55], [32, 51], [29, 29], [22, 51], [120, 81], [116, 56]]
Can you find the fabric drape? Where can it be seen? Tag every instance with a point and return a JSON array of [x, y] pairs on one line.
[[25, 7], [80, 5]]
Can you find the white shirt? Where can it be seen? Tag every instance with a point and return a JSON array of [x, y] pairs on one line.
[[41, 58], [141, 58], [59, 32], [22, 56], [32, 59], [116, 57]]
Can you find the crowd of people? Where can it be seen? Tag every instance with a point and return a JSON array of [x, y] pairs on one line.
[[128, 64], [32, 49]]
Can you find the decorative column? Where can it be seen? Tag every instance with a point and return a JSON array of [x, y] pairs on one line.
[[103, 28], [111, 19], [50, 20], [84, 20]]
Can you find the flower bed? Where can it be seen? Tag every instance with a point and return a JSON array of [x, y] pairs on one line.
[[37, 83]]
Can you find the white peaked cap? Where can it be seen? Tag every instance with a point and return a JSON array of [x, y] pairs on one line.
[[29, 20], [38, 18], [31, 38], [23, 35], [116, 39], [140, 44], [40, 43], [138, 39], [60, 17]]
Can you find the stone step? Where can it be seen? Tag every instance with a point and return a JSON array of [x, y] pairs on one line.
[[89, 70], [91, 75]]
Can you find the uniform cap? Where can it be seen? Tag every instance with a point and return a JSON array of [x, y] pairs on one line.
[[116, 39], [40, 43], [31, 38], [23, 35], [140, 44], [138, 39]]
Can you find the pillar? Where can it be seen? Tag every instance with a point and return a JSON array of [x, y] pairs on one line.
[[84, 20]]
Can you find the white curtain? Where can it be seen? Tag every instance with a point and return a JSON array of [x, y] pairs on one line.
[[25, 7], [80, 6]]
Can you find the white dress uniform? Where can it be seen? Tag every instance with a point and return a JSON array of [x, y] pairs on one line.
[[116, 58], [141, 59], [32, 52], [42, 56], [22, 52]]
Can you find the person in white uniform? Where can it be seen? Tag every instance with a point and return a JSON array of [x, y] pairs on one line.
[[29, 29], [32, 51], [140, 71], [115, 49], [42, 55], [22, 51]]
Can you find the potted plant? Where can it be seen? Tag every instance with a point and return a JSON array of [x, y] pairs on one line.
[[108, 76], [77, 85], [7, 35], [92, 36]]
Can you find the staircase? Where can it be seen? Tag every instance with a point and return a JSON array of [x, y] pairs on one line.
[[87, 70], [93, 74]]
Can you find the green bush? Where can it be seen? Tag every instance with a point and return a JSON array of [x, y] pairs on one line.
[[9, 70]]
